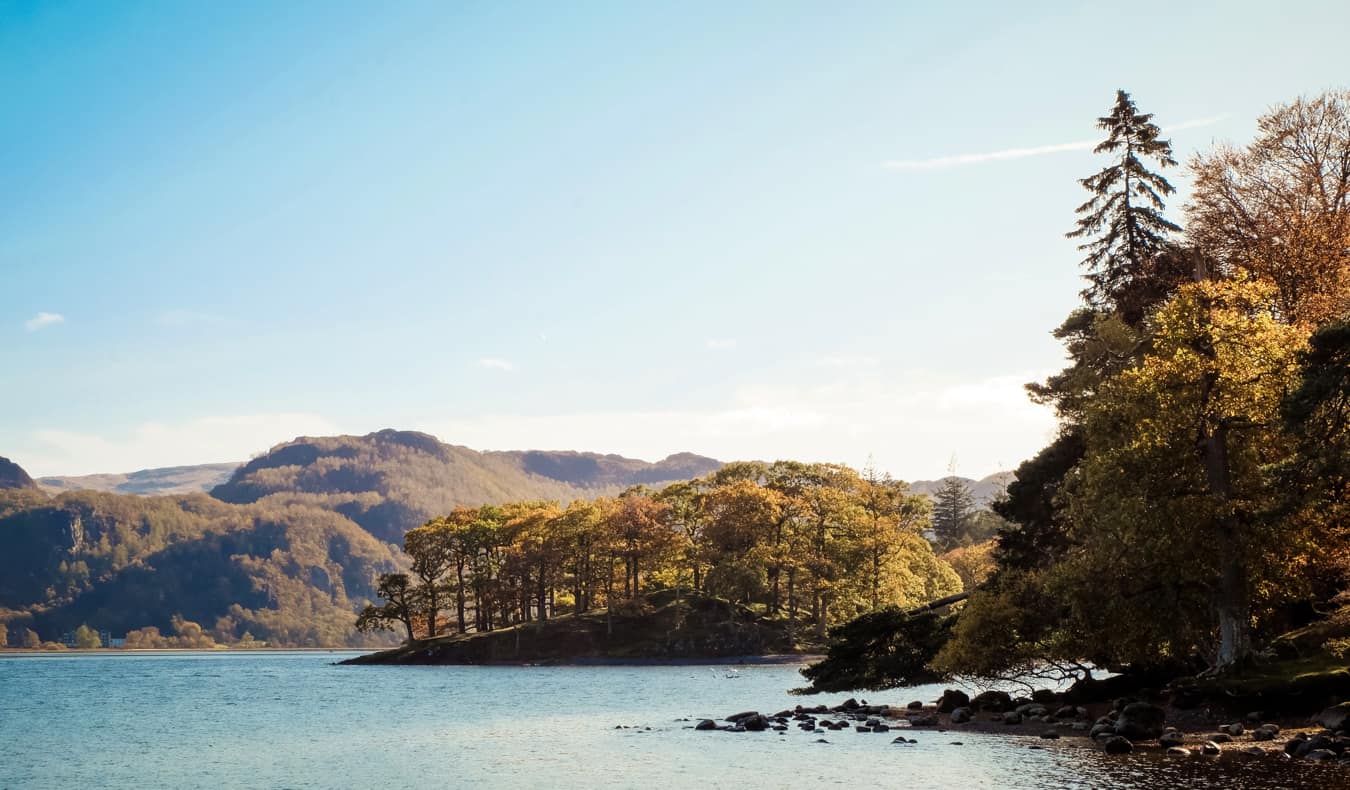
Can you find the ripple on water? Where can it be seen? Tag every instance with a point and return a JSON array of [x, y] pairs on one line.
[[295, 720]]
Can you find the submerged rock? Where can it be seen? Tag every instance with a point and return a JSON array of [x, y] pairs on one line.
[[1117, 744], [706, 724]]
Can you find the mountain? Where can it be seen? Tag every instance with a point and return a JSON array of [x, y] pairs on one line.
[[13, 476], [985, 490], [286, 573], [391, 481], [199, 478]]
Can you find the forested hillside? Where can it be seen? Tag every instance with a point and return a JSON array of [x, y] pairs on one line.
[[285, 551], [285, 573], [392, 481]]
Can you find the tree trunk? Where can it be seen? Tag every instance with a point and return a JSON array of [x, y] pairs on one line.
[[1233, 604], [459, 596]]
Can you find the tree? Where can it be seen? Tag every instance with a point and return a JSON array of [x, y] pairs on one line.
[[1167, 504], [1123, 221], [1279, 208], [953, 508], [86, 638], [398, 608], [431, 547]]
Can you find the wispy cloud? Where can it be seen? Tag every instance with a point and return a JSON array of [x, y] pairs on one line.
[[155, 444], [496, 364], [721, 343], [908, 420], [43, 320], [960, 160]]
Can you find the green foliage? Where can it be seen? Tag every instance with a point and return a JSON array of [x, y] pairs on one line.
[[1197, 493], [293, 574], [814, 542], [86, 638], [880, 650]]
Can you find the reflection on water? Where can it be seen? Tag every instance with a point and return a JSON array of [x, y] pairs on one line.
[[293, 720]]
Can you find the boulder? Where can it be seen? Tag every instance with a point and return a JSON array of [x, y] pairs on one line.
[[755, 723], [952, 699], [1254, 751], [1266, 732], [1140, 721], [1117, 744], [1337, 717], [743, 715], [1320, 755], [1234, 729], [1313, 744], [1067, 712], [961, 715], [1221, 737], [923, 721], [706, 724], [1012, 718], [849, 704], [992, 700], [1044, 696], [915, 705], [1171, 738], [1179, 751], [1210, 747]]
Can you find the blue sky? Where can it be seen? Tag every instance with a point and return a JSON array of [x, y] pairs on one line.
[[730, 228]]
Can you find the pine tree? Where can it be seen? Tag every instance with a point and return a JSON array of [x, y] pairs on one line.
[[1123, 221], [953, 509]]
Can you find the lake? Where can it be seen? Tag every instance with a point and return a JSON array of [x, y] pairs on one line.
[[293, 720]]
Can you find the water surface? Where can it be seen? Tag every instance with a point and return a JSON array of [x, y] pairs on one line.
[[293, 720]]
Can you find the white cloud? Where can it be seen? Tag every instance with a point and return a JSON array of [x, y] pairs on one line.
[[911, 422], [959, 160], [155, 444], [496, 364], [721, 343], [43, 320]]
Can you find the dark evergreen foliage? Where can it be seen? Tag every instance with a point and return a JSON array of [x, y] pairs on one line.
[[1036, 535], [881, 650], [1123, 223]]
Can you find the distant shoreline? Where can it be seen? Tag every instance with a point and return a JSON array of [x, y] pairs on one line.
[[29, 651]]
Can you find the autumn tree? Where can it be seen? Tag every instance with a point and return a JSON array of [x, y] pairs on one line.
[[86, 638], [399, 607], [1279, 208], [431, 547]]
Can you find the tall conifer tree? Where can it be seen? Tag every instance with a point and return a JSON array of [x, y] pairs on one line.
[[1123, 223]]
